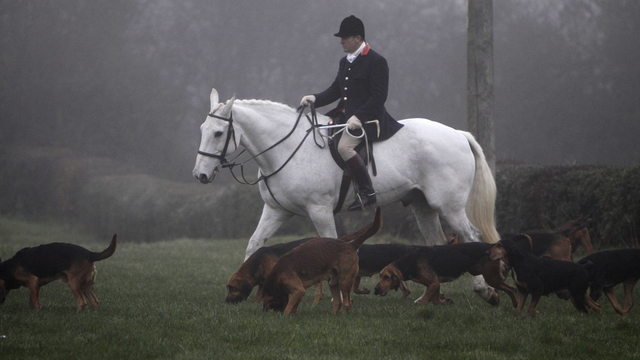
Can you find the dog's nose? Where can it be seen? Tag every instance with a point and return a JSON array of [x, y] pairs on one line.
[[377, 291], [203, 178]]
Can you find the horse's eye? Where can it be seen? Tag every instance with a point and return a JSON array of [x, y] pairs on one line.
[[218, 134]]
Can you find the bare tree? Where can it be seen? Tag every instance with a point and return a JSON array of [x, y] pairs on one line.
[[480, 76]]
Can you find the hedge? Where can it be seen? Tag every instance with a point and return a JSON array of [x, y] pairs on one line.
[[104, 197], [534, 197]]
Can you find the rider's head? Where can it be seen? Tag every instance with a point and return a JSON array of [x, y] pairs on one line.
[[351, 33]]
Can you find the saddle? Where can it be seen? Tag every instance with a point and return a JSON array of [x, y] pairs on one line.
[[337, 116]]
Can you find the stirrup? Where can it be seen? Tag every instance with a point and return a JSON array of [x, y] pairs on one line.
[[363, 201]]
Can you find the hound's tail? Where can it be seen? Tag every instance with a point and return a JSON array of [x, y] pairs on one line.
[[482, 199], [368, 231], [95, 256]]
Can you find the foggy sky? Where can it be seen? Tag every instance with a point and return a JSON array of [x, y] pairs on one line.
[[131, 79]]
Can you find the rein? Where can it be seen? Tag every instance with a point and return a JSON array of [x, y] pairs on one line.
[[224, 163]]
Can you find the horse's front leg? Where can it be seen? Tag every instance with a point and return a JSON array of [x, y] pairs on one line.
[[270, 222], [323, 220]]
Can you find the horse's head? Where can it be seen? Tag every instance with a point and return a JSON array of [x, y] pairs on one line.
[[217, 140]]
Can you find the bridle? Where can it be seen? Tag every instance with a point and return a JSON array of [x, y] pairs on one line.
[[230, 133], [224, 163]]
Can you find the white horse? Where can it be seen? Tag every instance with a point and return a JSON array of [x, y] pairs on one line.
[[441, 172]]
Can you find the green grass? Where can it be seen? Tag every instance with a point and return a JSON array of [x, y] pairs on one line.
[[166, 301]]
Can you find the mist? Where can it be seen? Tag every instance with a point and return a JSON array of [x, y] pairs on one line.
[[130, 79]]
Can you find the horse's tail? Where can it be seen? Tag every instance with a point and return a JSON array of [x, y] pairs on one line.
[[368, 231], [481, 205]]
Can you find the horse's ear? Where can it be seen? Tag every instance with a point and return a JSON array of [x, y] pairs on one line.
[[214, 99], [227, 108]]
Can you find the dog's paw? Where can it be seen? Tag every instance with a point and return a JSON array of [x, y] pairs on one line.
[[446, 301], [494, 300]]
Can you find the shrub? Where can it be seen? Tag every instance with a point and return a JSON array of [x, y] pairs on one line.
[[104, 196]]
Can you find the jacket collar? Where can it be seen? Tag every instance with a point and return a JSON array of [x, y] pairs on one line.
[[364, 52]]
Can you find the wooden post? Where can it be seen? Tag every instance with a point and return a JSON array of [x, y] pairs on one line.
[[480, 76]]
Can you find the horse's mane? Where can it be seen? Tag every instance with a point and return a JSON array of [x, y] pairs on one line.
[[251, 102]]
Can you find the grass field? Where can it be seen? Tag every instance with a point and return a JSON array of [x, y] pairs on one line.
[[166, 301]]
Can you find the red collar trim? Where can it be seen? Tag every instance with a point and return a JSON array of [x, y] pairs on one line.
[[366, 49]]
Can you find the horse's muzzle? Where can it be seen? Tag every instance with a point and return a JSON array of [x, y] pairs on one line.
[[204, 179]]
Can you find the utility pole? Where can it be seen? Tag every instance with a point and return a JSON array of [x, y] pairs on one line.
[[480, 76]]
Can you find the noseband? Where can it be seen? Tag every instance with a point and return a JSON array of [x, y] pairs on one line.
[[230, 133]]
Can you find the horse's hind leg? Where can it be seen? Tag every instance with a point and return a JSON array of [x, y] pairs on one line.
[[460, 224], [428, 221]]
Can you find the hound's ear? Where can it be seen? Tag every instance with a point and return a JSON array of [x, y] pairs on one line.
[[404, 287], [214, 99], [226, 111]]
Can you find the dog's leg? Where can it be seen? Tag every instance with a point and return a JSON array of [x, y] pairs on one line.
[[76, 289], [629, 284], [592, 304], [522, 298], [611, 295], [431, 293], [91, 296], [258, 296], [87, 289], [496, 280], [356, 287], [294, 300], [345, 289], [405, 290], [580, 302], [319, 293], [436, 296], [34, 292], [337, 297], [295, 307], [532, 305], [511, 291], [420, 299]]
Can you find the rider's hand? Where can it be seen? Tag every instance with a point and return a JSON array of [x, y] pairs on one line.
[[353, 123], [307, 99]]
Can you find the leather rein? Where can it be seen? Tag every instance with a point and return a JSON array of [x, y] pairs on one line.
[[224, 163]]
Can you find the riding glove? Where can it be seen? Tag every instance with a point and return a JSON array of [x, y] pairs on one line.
[[353, 123], [307, 99]]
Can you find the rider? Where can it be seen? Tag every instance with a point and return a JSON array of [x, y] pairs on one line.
[[361, 85]]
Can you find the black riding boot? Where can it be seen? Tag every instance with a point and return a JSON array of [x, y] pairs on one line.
[[366, 195]]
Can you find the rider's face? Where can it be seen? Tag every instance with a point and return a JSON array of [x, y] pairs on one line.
[[351, 43]]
